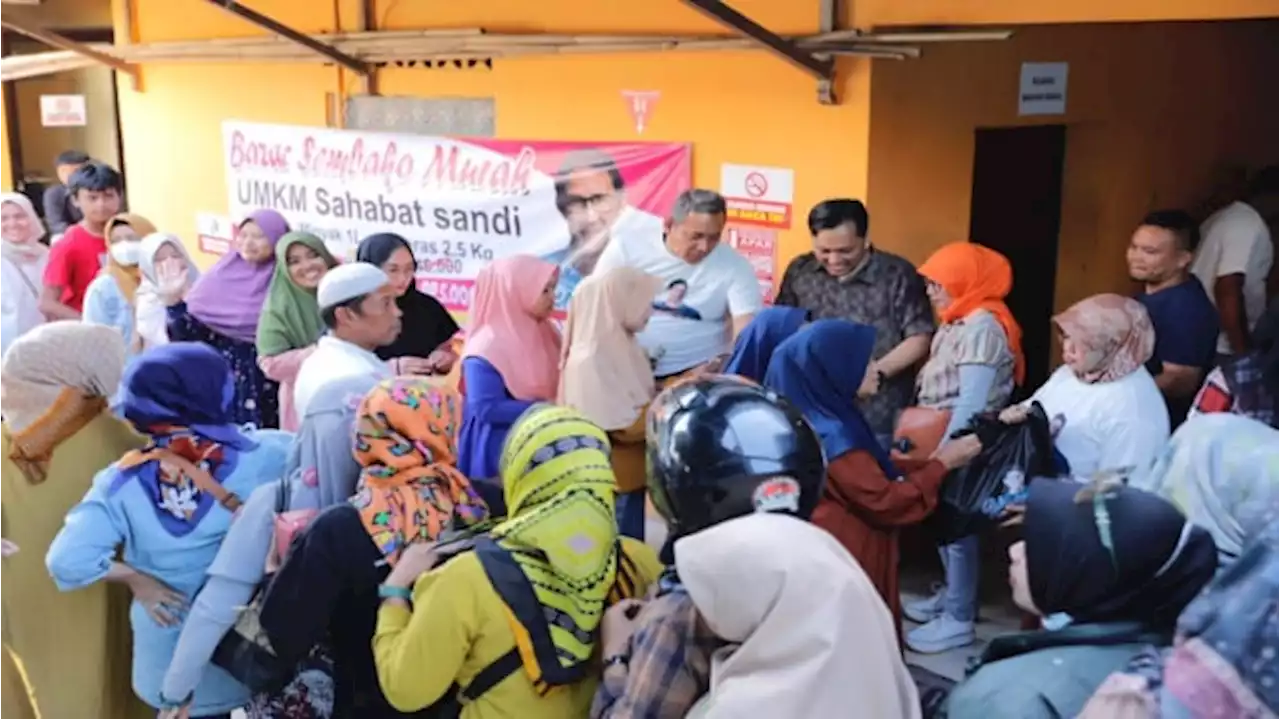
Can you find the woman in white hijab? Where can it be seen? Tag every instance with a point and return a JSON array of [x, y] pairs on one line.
[[1223, 472], [159, 250], [813, 637], [22, 275]]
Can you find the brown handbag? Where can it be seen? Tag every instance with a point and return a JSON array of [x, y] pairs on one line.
[[919, 432]]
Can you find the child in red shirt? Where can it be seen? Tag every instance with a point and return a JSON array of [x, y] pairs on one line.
[[77, 258]]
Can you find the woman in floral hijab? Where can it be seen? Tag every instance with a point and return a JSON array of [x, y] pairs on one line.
[[1104, 407], [409, 492]]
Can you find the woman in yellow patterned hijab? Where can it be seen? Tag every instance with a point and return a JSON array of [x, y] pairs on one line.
[[512, 624], [563, 539]]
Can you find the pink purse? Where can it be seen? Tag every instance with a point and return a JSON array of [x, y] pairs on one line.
[[287, 524]]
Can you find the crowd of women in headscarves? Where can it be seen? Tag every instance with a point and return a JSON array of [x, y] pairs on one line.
[[421, 546]]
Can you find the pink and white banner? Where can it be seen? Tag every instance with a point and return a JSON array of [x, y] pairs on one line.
[[461, 202]]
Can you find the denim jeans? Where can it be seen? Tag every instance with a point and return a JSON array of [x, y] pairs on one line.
[[629, 510], [960, 563]]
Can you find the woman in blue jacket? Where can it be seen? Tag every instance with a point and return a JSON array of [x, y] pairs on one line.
[[165, 509]]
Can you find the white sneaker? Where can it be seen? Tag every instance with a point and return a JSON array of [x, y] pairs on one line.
[[923, 611], [940, 635]]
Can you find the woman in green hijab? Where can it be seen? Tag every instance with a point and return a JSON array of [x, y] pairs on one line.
[[291, 322]]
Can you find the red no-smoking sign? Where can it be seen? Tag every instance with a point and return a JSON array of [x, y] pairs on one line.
[[756, 184]]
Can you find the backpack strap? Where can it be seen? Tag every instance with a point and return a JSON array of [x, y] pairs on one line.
[[489, 677], [283, 493]]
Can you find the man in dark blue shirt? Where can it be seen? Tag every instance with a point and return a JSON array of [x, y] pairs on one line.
[[1186, 323]]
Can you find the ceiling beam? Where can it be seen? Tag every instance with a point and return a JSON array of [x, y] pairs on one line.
[[367, 14], [271, 25], [821, 69], [24, 26], [828, 20]]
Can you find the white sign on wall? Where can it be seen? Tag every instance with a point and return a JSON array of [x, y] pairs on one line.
[[62, 111], [1042, 88], [757, 195]]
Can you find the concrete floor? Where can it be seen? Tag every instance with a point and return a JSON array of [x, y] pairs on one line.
[[995, 619]]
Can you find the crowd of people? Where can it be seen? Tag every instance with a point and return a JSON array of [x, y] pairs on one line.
[[296, 487]]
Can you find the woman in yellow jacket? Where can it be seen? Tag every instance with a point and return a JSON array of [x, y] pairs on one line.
[[511, 626], [67, 653]]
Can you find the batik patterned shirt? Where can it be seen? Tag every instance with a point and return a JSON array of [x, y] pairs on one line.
[[887, 293]]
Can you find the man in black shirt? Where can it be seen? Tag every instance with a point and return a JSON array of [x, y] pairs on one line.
[[59, 211]]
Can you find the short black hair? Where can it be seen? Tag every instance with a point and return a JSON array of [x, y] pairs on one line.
[[95, 177], [830, 214], [330, 314], [1183, 226], [70, 157], [677, 282], [1263, 182], [580, 161]]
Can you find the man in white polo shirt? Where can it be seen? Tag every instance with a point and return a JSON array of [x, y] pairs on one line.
[[709, 292], [359, 308]]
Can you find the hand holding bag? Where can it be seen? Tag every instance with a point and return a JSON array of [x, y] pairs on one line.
[[1012, 455]]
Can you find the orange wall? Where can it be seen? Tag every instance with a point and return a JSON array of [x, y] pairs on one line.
[[1156, 114], [71, 13], [734, 107], [744, 107], [6, 168]]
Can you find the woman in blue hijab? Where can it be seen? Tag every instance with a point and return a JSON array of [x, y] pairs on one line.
[[867, 496], [758, 340], [165, 509]]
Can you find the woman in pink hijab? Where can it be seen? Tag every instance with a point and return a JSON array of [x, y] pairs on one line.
[[222, 309], [511, 360]]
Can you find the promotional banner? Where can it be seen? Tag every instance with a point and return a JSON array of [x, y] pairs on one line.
[[461, 203]]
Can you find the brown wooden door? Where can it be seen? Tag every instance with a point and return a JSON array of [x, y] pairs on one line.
[[1015, 209]]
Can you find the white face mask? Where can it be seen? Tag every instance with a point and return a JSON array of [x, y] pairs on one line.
[[126, 253]]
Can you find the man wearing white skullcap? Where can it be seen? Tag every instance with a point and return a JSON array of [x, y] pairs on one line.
[[359, 308]]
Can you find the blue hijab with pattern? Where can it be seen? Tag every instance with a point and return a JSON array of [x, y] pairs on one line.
[[179, 395], [819, 371]]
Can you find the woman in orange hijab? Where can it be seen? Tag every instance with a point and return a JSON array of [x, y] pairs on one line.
[[974, 363]]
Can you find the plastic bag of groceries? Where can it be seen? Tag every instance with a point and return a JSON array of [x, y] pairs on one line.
[[973, 497]]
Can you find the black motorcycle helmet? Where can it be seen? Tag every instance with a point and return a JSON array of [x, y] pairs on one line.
[[719, 447]]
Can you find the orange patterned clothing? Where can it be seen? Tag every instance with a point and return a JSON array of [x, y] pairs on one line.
[[410, 488]]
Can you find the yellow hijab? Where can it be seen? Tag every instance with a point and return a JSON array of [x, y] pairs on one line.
[[556, 562], [128, 278]]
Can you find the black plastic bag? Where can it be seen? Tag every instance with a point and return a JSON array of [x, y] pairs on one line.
[[972, 496]]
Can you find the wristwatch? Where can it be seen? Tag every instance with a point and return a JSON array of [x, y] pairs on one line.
[[387, 591]]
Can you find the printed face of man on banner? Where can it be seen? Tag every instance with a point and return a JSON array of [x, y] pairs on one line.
[[589, 193]]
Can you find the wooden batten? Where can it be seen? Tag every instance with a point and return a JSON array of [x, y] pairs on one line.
[[403, 46]]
